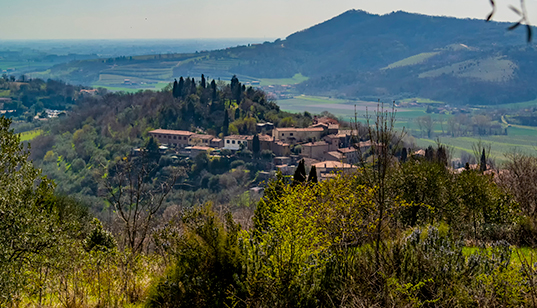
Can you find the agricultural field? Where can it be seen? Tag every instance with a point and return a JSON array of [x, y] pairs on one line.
[[520, 138], [413, 60]]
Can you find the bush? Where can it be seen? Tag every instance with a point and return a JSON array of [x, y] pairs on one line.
[[237, 164], [208, 263]]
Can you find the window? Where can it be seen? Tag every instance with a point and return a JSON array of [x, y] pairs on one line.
[[291, 134], [174, 137], [227, 141], [283, 134], [233, 141]]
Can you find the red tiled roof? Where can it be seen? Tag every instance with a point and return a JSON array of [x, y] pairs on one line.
[[293, 129], [171, 132]]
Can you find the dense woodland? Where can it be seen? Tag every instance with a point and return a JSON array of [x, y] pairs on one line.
[[97, 227]]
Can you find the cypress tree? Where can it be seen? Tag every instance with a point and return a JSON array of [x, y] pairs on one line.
[[203, 82], [193, 88], [174, 90], [441, 155], [214, 93], [483, 165], [312, 177], [225, 127], [404, 155], [181, 87], [300, 173], [256, 146]]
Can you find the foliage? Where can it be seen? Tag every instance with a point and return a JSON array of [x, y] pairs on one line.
[[207, 262]]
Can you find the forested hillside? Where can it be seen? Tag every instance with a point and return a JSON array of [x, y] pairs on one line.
[[77, 150], [357, 55]]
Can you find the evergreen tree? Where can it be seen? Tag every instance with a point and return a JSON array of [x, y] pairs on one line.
[[152, 149], [441, 156], [181, 87], [225, 127], [300, 173], [193, 88], [213, 90], [175, 93], [203, 82], [256, 146], [237, 114], [483, 165], [404, 155], [312, 178]]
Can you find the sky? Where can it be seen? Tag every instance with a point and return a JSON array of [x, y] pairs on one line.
[[175, 19]]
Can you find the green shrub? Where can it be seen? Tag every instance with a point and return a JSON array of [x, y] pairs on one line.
[[208, 264]]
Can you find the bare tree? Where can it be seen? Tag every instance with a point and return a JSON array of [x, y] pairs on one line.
[[137, 195], [376, 162], [522, 13]]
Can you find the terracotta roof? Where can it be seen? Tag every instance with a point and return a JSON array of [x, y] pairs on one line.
[[333, 165], [171, 132], [238, 137], [216, 140], [315, 144], [200, 136], [293, 129], [347, 150], [420, 152], [336, 154], [365, 144], [261, 137]]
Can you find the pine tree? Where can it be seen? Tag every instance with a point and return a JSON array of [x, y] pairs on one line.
[[225, 127], [203, 82], [312, 178], [300, 173]]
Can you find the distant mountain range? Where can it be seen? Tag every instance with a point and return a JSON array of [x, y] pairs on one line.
[[358, 55]]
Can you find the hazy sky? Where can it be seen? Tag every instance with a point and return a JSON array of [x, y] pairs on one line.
[[112, 19]]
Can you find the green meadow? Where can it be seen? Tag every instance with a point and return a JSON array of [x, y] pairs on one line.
[[519, 138]]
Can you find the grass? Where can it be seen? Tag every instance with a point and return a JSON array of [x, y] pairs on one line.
[[521, 105], [297, 78], [154, 87], [413, 60], [5, 93], [491, 69], [29, 135]]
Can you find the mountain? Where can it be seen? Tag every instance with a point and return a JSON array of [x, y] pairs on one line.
[[359, 55]]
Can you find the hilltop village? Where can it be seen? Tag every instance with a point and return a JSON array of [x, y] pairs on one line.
[[323, 145]]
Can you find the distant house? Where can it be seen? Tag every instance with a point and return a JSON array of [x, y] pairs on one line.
[[177, 138], [88, 92], [216, 143], [296, 135], [265, 142], [234, 142], [280, 148], [326, 169], [265, 127], [316, 150], [350, 155], [196, 150], [200, 140]]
